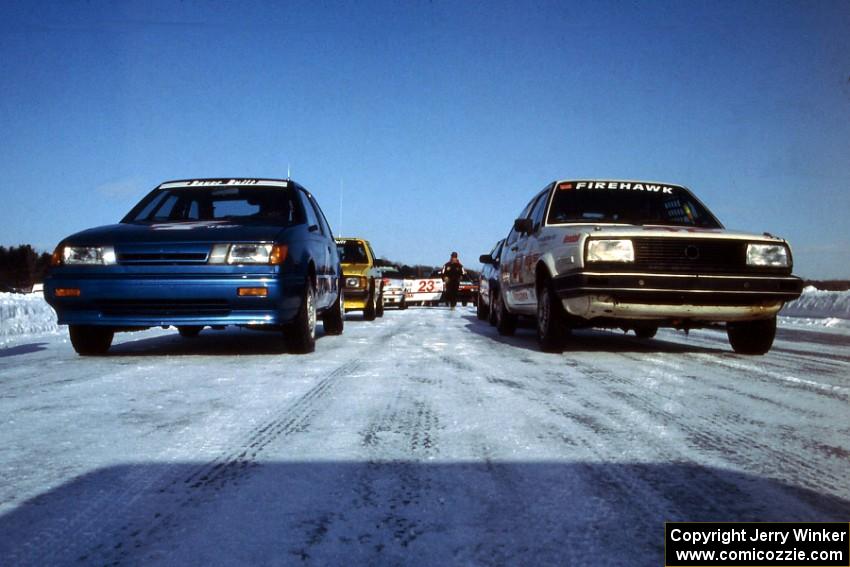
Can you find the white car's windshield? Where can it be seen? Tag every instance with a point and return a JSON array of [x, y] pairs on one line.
[[665, 206]]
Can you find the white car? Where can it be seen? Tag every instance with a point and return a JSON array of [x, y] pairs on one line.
[[423, 291], [393, 287], [638, 256]]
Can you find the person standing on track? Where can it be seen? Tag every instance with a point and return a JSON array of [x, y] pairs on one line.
[[452, 272]]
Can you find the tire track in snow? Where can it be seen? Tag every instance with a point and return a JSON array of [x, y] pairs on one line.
[[398, 436], [779, 374], [588, 436], [473, 375], [733, 439], [582, 408], [109, 545], [718, 439]]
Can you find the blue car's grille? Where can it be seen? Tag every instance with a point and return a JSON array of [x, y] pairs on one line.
[[159, 258], [164, 307]]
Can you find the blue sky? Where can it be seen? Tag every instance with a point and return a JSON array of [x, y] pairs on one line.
[[438, 120]]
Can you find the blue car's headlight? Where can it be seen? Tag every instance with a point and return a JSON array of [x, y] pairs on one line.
[[248, 253], [84, 256]]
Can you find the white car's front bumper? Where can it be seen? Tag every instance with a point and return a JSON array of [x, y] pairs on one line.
[[596, 306]]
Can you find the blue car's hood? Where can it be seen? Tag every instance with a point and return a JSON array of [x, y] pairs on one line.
[[198, 231]]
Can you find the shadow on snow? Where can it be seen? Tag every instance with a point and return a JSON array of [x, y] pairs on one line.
[[228, 342], [236, 511], [585, 340], [22, 349]]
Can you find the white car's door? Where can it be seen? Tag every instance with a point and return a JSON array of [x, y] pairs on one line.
[[526, 251]]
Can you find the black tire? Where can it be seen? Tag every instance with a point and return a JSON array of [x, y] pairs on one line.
[[301, 334], [463, 303], [505, 321], [646, 332], [491, 316], [370, 311], [379, 310], [481, 310], [333, 320], [551, 320], [189, 331], [89, 340], [752, 337], [403, 305]]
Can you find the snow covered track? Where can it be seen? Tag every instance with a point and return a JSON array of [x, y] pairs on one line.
[[421, 438]]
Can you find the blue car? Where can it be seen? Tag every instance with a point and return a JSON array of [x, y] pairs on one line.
[[257, 253]]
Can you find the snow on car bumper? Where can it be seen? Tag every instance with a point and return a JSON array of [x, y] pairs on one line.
[[672, 296], [134, 301]]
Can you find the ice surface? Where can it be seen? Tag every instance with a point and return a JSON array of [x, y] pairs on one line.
[[422, 438]]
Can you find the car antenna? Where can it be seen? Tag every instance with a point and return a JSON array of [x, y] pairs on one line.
[[340, 206]]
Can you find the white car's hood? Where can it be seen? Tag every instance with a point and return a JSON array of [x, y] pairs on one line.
[[632, 231]]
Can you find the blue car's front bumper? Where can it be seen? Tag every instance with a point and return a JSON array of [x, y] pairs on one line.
[[148, 298]]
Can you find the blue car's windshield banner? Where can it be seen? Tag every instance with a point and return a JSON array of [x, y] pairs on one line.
[[220, 182]]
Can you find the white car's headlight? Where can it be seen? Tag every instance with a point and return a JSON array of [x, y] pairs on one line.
[[610, 251], [88, 255], [770, 255], [248, 253]]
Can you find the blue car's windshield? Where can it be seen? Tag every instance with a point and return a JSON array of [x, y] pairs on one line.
[[265, 205]]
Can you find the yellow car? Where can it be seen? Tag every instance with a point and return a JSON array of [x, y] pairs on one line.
[[363, 282]]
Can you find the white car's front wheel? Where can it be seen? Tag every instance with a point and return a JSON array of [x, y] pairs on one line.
[[752, 337], [551, 327]]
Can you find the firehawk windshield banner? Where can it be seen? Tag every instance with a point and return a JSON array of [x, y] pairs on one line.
[[616, 185]]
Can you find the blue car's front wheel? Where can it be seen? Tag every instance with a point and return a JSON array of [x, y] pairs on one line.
[[89, 340], [334, 318], [189, 331], [301, 333]]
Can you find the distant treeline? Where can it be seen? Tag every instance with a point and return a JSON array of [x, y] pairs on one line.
[[21, 266]]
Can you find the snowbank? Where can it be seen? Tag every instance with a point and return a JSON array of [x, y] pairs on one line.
[[29, 314], [817, 323], [25, 314], [815, 303]]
